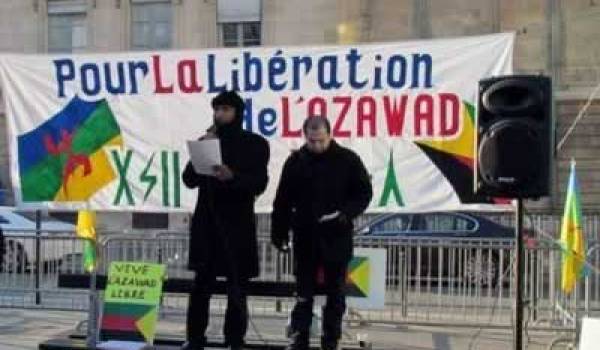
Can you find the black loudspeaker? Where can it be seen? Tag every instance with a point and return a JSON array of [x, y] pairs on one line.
[[514, 137]]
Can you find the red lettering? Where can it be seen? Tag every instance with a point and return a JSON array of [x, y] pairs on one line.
[[317, 103], [188, 85], [424, 113], [395, 115], [449, 104], [285, 108], [367, 112], [345, 101], [160, 88]]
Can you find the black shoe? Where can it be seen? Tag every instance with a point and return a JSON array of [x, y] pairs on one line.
[[191, 345], [328, 344], [329, 347], [296, 347], [299, 341]]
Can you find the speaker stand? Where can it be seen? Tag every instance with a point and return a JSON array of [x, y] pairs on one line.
[[519, 277]]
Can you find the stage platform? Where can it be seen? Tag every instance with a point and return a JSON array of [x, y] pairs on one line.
[[69, 343]]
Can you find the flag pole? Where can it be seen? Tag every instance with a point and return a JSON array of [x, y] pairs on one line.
[[92, 336], [519, 278], [93, 315], [38, 265], [93, 312]]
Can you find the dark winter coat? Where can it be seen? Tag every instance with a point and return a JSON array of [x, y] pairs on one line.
[[223, 227], [312, 185]]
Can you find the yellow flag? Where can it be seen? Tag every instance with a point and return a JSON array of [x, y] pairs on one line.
[[572, 238], [86, 224], [86, 229]]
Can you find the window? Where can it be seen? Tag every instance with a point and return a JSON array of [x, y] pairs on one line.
[[240, 34], [151, 24], [239, 22], [448, 223], [65, 216], [392, 225], [464, 224], [67, 30]]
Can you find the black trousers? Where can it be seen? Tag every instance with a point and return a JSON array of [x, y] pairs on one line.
[[335, 307], [236, 316]]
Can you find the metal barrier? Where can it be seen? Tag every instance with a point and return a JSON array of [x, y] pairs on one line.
[[457, 282], [29, 272], [437, 282]]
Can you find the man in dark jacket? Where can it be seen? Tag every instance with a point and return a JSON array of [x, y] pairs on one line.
[[223, 228], [322, 188]]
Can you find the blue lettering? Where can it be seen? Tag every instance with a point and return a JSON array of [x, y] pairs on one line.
[[252, 72], [328, 63], [133, 67], [353, 58], [120, 89], [418, 60], [396, 79], [65, 70], [247, 119], [377, 74], [94, 89], [212, 87], [276, 67], [296, 62], [235, 86], [267, 119]]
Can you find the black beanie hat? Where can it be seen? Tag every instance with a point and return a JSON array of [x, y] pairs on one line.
[[229, 98]]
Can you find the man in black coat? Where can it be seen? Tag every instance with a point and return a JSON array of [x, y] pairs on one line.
[[223, 228], [322, 188]]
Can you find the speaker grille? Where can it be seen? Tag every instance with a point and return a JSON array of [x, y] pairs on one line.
[[509, 155], [513, 98]]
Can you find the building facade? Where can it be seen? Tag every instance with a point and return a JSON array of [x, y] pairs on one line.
[[554, 37]]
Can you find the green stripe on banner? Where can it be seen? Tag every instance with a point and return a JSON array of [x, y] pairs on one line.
[[164, 159], [471, 111], [97, 130], [176, 180], [42, 181]]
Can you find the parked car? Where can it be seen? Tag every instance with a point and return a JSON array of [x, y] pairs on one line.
[[20, 243], [443, 246]]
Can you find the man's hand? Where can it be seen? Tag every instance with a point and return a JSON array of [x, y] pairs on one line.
[[209, 135], [329, 217], [343, 219], [282, 245], [223, 172]]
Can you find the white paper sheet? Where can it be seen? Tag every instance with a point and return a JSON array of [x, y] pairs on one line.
[[205, 154], [590, 334]]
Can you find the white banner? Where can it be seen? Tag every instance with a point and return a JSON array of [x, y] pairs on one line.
[[110, 130]]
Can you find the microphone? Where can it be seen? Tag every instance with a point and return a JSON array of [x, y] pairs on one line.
[[212, 129], [211, 133]]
